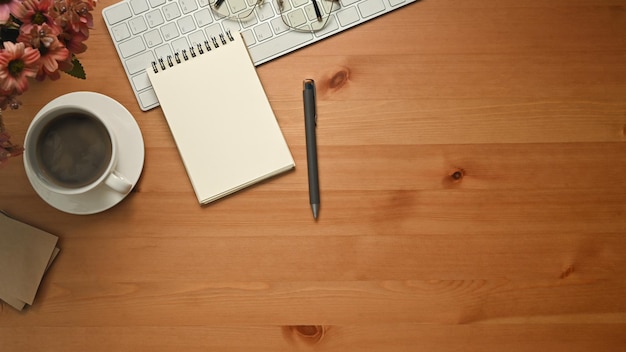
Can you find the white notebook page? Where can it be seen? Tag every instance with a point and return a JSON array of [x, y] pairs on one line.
[[222, 122]]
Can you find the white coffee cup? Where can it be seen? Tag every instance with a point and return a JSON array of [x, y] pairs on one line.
[[71, 150]]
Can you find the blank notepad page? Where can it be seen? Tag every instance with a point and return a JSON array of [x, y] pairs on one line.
[[220, 117]]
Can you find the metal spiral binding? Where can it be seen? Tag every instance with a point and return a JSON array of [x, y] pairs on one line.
[[200, 49]]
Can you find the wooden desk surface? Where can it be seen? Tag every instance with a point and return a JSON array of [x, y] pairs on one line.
[[525, 252]]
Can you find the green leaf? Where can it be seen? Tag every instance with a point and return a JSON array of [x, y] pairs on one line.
[[77, 69]]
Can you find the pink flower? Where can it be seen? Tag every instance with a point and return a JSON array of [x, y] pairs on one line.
[[51, 56], [39, 37], [17, 64], [74, 16], [35, 13], [7, 7], [73, 41], [47, 34]]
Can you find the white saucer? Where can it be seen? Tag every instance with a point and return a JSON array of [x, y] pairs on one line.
[[130, 159]]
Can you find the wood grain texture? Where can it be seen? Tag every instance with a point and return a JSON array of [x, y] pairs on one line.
[[473, 199]]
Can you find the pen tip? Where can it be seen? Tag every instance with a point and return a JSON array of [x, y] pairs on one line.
[[316, 210]]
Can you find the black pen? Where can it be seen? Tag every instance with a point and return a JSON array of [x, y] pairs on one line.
[[310, 122]]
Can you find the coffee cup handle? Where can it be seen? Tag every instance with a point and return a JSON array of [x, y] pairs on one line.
[[118, 183]]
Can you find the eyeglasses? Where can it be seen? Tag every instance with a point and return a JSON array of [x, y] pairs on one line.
[[299, 15]]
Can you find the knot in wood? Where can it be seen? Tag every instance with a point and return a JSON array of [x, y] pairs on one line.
[[569, 270], [313, 332], [310, 334], [339, 79], [456, 175]]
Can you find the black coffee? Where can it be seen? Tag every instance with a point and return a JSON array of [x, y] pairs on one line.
[[73, 150]]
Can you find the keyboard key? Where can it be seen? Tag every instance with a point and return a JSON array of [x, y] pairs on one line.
[[156, 3], [153, 38], [331, 26], [139, 63], [371, 7], [120, 32], [263, 32], [232, 26], [203, 17], [396, 2], [163, 51], [118, 13], [250, 21], [348, 16], [296, 18], [213, 30], [188, 6], [139, 6], [196, 38], [180, 44], [132, 47], [286, 6], [278, 25], [171, 11], [141, 81], [248, 37], [155, 18], [237, 5], [310, 12], [170, 31], [277, 45], [148, 99], [137, 24], [265, 12], [186, 24], [298, 3]]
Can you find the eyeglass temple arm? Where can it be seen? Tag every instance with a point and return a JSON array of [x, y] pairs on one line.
[[218, 3], [318, 13]]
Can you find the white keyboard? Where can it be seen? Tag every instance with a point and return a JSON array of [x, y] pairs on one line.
[[145, 30]]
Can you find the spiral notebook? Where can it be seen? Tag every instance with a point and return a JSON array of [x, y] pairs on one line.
[[220, 117]]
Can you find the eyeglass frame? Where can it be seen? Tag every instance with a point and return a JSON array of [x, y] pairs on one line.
[[280, 3]]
